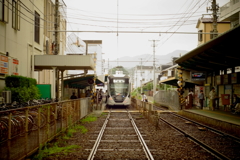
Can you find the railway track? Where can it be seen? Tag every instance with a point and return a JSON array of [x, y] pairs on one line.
[[218, 143], [120, 138]]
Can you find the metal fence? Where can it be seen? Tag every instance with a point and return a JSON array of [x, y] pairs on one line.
[[168, 98], [23, 131]]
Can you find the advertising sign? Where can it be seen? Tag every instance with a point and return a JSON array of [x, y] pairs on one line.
[[3, 64], [218, 79], [198, 76], [15, 66]]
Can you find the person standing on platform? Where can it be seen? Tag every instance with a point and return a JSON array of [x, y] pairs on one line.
[[234, 104], [144, 98], [106, 96], [73, 96], [189, 103], [201, 99], [212, 97]]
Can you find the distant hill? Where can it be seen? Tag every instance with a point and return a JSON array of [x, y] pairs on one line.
[[148, 59]]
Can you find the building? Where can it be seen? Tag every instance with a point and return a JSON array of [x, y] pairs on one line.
[[206, 25], [45, 76], [77, 46], [231, 12], [20, 37], [143, 75]]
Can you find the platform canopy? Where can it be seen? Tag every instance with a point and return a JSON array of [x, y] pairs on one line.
[[63, 62], [81, 82], [173, 82], [219, 53]]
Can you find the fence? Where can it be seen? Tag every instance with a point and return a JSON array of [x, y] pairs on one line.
[[23, 131], [168, 98]]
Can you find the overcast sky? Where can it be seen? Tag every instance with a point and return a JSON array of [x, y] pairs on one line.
[[138, 15]]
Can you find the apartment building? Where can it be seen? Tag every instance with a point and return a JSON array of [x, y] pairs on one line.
[[231, 12], [21, 30]]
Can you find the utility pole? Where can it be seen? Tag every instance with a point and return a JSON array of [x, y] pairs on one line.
[[141, 77], [154, 79], [136, 77], [55, 88], [214, 8], [108, 66], [56, 25]]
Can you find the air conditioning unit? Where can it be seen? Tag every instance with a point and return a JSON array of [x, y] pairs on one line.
[[7, 96]]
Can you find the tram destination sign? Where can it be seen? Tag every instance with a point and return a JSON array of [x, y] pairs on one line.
[[198, 76]]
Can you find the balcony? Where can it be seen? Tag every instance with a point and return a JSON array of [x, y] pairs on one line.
[[64, 62], [229, 11]]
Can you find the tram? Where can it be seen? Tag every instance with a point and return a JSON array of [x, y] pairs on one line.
[[118, 90]]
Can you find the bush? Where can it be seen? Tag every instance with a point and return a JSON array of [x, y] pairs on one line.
[[22, 88]]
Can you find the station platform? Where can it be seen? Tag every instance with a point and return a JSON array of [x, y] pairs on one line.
[[222, 120]]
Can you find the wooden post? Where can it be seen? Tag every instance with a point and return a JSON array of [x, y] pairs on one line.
[[62, 116], [48, 122], [9, 134], [55, 117], [26, 129], [38, 124]]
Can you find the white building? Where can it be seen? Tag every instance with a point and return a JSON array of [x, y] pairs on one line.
[[142, 74], [75, 45]]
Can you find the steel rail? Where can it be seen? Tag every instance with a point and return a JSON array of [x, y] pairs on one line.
[[97, 142], [212, 129], [145, 147], [210, 149]]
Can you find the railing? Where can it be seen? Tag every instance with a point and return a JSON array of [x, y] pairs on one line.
[[23, 131], [168, 98]]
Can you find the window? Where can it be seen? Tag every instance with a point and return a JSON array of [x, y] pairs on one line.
[[16, 14], [200, 35], [37, 28], [4, 10]]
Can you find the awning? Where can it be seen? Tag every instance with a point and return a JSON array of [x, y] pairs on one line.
[[219, 53], [80, 82], [173, 81]]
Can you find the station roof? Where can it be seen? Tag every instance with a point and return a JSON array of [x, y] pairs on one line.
[[173, 81], [219, 53], [80, 82]]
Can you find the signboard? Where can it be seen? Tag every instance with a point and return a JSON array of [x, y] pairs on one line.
[[218, 79], [15, 63], [198, 76], [3, 64], [235, 77], [100, 84], [226, 79]]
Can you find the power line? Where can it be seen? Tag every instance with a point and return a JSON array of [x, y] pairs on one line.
[[132, 32]]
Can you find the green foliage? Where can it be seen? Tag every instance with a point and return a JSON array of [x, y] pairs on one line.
[[70, 132], [19, 81], [89, 119], [148, 87], [83, 129], [22, 88], [48, 151], [103, 113]]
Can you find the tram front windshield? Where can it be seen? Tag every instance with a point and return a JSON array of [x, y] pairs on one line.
[[119, 87]]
